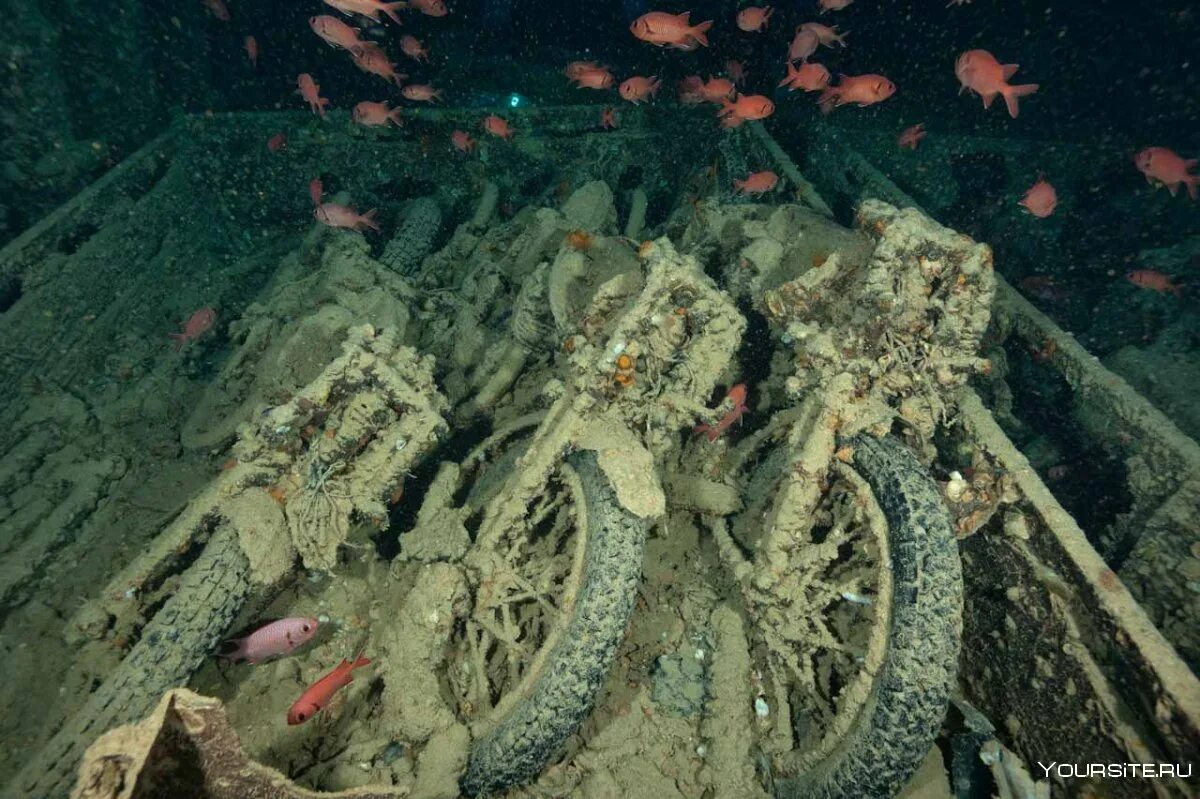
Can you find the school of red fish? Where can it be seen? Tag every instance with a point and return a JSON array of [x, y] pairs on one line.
[[977, 70]]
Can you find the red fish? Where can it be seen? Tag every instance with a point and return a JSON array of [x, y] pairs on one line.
[[368, 8], [411, 46], [1041, 199], [576, 68], [736, 396], [271, 640], [251, 50], [277, 142], [371, 58], [311, 92], [1166, 167], [747, 106], [803, 45], [825, 34], [910, 137], [717, 90], [979, 71], [335, 215], [638, 88], [833, 5], [316, 697], [497, 126], [316, 190], [421, 93], [371, 114], [335, 33], [662, 29], [753, 19], [218, 9], [462, 141], [593, 78], [757, 183], [862, 90], [199, 323], [432, 8], [811, 76], [1155, 281], [608, 118]]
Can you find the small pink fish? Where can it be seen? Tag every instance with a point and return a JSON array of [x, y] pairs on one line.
[[372, 114], [218, 9], [421, 93], [272, 640], [310, 90], [1041, 199], [462, 141], [371, 58], [335, 33], [911, 137], [277, 142], [608, 118], [316, 190], [498, 126], [757, 183], [252, 50], [639, 88], [433, 8], [335, 215], [199, 323], [411, 46]]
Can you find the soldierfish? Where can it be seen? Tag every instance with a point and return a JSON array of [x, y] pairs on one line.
[[199, 323], [662, 29], [335, 33], [753, 19], [335, 215], [1155, 281], [370, 114], [432, 8], [862, 90], [411, 46], [462, 141], [979, 71], [639, 88], [1041, 199], [737, 396], [272, 640], [316, 697], [810, 76], [910, 137], [368, 8], [1168, 168], [757, 183], [497, 126], [421, 93], [370, 57], [747, 106], [310, 90]]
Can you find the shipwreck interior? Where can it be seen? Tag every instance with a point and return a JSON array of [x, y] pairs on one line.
[[621, 480]]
